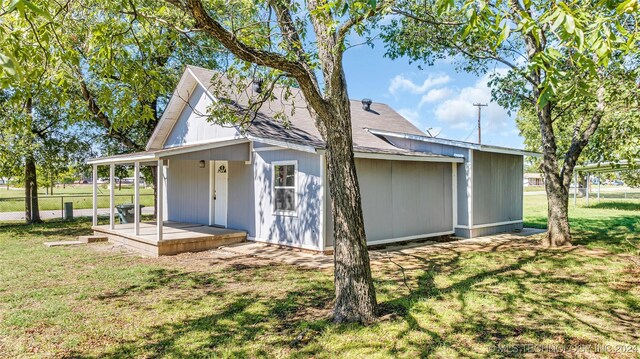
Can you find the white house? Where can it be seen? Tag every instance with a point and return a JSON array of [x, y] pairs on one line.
[[269, 183]]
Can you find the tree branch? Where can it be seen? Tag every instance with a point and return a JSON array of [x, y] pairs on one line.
[[432, 21], [102, 117], [296, 69], [579, 143], [233, 44], [346, 26]]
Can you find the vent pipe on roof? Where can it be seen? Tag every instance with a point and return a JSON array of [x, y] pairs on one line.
[[257, 85], [366, 104]]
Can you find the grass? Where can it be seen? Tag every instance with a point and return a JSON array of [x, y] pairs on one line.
[[12, 200], [83, 302], [533, 188], [607, 224]]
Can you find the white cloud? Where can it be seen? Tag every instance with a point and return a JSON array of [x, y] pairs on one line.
[[402, 84], [458, 112], [435, 95]]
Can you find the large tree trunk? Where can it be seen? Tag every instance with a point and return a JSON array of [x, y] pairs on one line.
[[355, 294], [32, 211], [558, 231]]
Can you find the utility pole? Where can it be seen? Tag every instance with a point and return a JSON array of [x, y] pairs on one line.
[[480, 106]]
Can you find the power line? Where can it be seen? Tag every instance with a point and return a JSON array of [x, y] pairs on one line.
[[470, 133]]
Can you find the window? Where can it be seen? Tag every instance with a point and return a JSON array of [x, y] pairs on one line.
[[284, 187]]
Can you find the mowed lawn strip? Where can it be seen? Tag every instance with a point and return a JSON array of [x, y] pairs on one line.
[[12, 199], [462, 302]]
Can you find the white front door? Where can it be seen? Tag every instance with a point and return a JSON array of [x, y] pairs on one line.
[[219, 193]]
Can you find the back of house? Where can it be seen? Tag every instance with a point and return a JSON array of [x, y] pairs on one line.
[[270, 179]]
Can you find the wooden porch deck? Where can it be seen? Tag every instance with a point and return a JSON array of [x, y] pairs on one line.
[[177, 237]]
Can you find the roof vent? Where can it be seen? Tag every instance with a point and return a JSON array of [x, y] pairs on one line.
[[257, 85], [366, 104]]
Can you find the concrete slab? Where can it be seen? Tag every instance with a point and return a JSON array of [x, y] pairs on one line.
[[63, 243], [92, 239], [280, 254], [378, 255], [177, 237]]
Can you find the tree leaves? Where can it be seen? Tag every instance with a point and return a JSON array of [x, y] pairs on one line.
[[8, 64], [574, 45]]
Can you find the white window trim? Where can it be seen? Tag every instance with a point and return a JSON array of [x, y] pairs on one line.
[[293, 213]]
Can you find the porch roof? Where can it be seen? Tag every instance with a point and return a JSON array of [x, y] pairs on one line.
[[151, 157], [155, 155], [608, 166]]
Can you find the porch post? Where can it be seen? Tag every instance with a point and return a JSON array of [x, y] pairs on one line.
[[94, 185], [575, 188], [136, 198], [112, 172], [588, 186], [159, 199]]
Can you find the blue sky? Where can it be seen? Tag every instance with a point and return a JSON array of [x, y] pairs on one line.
[[435, 97]]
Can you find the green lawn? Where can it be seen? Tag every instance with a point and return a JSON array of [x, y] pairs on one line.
[[81, 302], [80, 194], [607, 224]]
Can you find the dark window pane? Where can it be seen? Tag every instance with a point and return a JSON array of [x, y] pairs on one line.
[[285, 175], [285, 199], [291, 176], [280, 175]]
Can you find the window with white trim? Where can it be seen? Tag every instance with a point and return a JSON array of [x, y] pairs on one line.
[[284, 186]]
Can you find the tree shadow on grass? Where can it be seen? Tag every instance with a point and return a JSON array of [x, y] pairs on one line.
[[167, 279], [532, 304], [53, 227], [621, 206], [236, 328], [612, 234]]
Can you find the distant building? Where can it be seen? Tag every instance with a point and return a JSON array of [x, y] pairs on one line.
[[533, 179]]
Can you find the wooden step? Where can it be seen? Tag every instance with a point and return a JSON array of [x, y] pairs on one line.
[[92, 239]]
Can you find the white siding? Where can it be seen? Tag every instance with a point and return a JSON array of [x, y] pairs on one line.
[[187, 192], [497, 187], [302, 229], [192, 125], [402, 199]]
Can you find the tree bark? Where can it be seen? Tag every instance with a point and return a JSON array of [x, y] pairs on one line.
[[32, 211], [558, 229], [355, 293]]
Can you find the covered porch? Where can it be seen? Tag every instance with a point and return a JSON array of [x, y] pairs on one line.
[[177, 237], [168, 234]]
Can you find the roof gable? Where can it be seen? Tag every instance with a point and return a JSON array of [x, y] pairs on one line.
[[178, 127], [184, 120]]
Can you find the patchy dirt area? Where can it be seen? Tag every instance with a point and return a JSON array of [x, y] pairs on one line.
[[253, 253]]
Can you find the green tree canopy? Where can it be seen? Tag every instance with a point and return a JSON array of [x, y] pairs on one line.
[[563, 62]]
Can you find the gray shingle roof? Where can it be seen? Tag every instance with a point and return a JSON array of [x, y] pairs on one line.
[[301, 128]]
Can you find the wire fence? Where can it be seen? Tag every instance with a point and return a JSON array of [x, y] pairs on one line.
[[605, 194], [12, 209]]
